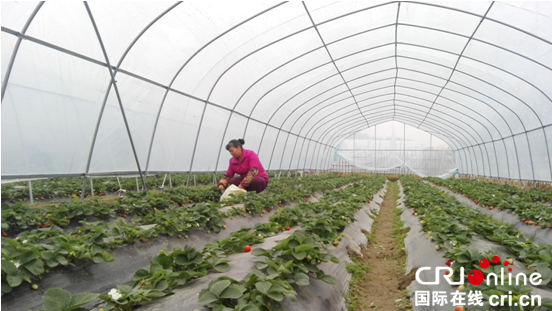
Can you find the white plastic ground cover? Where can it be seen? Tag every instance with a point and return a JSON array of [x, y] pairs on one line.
[[541, 235], [421, 253], [316, 296]]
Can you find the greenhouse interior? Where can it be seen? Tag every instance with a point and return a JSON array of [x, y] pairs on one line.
[[260, 155]]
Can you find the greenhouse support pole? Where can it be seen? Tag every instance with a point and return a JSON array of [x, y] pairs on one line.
[[354, 152], [116, 88], [170, 181], [91, 187], [188, 180], [195, 182], [164, 179], [137, 187], [16, 48], [404, 146], [31, 199], [83, 187], [430, 154], [274, 149]]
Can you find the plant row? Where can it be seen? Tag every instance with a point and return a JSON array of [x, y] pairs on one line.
[[33, 252], [321, 223], [443, 218], [19, 216], [44, 189], [524, 203]]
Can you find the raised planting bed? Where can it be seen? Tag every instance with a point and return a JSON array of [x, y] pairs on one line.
[[446, 233]]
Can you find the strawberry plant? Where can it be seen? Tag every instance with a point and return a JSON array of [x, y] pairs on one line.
[[56, 299], [437, 209]]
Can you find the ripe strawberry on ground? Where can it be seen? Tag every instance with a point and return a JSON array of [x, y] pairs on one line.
[[247, 248], [459, 308], [288, 228], [5, 234]]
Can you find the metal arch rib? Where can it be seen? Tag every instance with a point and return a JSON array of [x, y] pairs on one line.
[[93, 143], [16, 47], [333, 61], [396, 63], [186, 63], [458, 59], [112, 75]]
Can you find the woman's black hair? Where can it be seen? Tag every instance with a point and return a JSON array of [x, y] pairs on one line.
[[235, 143]]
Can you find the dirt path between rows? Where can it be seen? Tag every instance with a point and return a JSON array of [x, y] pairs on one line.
[[379, 289]]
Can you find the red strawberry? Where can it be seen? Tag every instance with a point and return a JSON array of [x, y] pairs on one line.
[[247, 248], [449, 262], [279, 205], [288, 228], [42, 226], [5, 234], [126, 213], [447, 272]]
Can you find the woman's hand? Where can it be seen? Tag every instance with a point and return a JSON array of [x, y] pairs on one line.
[[241, 187], [221, 187]]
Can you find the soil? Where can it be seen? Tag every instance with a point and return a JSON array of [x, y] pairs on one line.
[[382, 286]]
